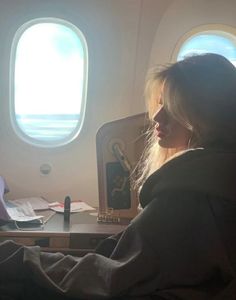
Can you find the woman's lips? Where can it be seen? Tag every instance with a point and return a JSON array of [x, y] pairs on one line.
[[161, 133]]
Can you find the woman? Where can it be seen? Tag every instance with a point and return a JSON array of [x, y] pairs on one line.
[[183, 243]]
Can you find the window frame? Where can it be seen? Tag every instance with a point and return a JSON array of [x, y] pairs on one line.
[[18, 131], [226, 31]]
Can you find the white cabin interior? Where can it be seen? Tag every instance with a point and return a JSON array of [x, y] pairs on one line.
[[125, 38]]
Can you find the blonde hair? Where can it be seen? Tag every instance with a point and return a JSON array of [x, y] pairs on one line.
[[200, 93]]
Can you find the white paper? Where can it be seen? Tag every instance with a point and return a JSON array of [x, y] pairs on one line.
[[76, 206], [37, 203], [21, 212], [10, 211]]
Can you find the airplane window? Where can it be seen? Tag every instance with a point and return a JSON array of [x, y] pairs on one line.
[[48, 82], [210, 41]]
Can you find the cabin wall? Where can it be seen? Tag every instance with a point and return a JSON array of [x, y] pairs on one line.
[[119, 38], [181, 16], [124, 38]]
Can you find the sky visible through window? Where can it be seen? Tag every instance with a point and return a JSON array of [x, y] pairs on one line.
[[208, 42], [48, 83]]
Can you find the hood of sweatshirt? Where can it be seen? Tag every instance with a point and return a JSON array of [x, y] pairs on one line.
[[208, 171]]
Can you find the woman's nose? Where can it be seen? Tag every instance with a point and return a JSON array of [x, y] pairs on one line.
[[160, 115]]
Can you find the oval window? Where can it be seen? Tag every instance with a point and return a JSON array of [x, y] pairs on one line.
[[209, 38], [204, 42], [48, 82]]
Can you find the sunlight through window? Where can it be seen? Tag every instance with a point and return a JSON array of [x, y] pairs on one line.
[[219, 43], [49, 82]]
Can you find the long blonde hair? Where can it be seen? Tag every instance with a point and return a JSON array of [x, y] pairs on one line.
[[200, 93]]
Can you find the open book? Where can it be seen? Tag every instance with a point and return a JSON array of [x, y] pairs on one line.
[[10, 211]]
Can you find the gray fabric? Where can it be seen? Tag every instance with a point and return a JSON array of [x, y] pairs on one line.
[[181, 246]]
